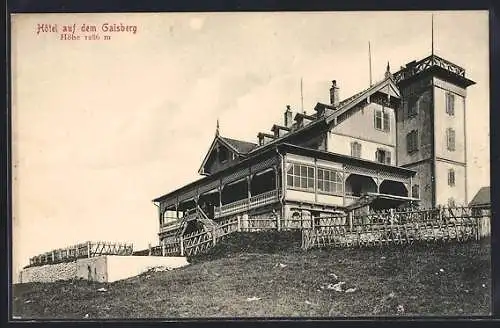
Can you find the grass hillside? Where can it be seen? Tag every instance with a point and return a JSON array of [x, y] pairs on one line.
[[250, 276]]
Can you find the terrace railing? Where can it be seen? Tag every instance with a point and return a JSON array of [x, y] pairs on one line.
[[82, 250], [246, 204]]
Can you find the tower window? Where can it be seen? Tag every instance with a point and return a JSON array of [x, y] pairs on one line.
[[450, 104], [356, 149], [415, 192], [450, 139], [412, 106], [382, 121], [412, 141], [451, 177]]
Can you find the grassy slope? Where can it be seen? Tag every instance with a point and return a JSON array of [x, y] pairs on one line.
[[220, 285]]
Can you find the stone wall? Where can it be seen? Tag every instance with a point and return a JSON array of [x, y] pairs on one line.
[[106, 268], [49, 272]]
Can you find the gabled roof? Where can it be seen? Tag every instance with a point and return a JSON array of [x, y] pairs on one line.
[[481, 198], [242, 147], [238, 146], [388, 83], [248, 148]]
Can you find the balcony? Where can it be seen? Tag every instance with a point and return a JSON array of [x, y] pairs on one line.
[[170, 225], [247, 204]]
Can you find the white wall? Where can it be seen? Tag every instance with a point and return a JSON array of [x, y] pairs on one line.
[[123, 267], [443, 190], [444, 121], [341, 144]]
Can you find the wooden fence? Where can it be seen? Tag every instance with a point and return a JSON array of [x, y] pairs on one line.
[[82, 250], [373, 229], [398, 227], [202, 240]]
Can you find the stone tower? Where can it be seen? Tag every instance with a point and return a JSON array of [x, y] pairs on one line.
[[431, 134]]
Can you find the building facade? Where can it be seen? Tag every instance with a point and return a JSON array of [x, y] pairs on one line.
[[401, 142]]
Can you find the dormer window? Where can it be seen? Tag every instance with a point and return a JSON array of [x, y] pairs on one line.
[[223, 155]]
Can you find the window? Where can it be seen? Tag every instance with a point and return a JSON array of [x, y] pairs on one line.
[[223, 155], [412, 141], [451, 177], [412, 106], [382, 121], [415, 192], [300, 176], [450, 104], [383, 156], [356, 149], [450, 139], [330, 181]]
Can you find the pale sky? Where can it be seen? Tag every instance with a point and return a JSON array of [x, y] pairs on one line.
[[100, 128]]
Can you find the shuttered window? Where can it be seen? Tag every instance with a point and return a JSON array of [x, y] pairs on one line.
[[450, 139], [356, 149], [383, 156], [412, 141], [451, 177], [450, 104]]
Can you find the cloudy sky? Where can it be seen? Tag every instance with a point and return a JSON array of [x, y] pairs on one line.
[[100, 128]]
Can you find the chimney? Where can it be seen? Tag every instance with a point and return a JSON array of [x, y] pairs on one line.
[[288, 116], [264, 138], [334, 94]]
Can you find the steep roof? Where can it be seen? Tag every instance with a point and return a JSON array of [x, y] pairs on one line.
[[481, 198], [242, 147]]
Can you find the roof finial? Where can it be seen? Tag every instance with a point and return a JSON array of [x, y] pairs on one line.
[[217, 129], [388, 70]]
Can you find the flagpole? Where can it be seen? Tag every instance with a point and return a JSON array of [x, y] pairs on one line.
[[432, 35], [370, 62]]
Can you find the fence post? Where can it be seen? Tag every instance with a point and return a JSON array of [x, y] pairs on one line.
[[163, 248], [278, 223], [149, 249], [88, 249], [213, 236], [350, 220], [53, 256], [181, 240], [239, 222]]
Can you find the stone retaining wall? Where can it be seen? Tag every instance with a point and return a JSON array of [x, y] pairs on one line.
[[106, 268], [49, 272]]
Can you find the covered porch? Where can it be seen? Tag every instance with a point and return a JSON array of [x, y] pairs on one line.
[[251, 185]]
